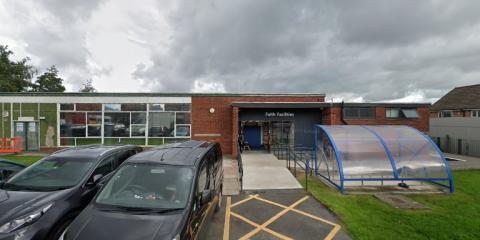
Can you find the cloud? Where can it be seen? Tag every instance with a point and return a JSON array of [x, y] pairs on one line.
[[393, 50]]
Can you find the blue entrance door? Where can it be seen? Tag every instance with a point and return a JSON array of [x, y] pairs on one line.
[[252, 135]]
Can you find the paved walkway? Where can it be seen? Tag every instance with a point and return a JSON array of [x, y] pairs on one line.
[[462, 162], [264, 171], [231, 181]]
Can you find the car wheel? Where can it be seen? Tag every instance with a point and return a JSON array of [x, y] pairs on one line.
[[219, 202], [59, 231]]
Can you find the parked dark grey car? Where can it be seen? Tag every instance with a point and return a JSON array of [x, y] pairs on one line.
[[41, 201], [167, 193], [9, 168]]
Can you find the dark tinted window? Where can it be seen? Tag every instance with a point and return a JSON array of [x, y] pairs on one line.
[[89, 107], [359, 113], [106, 166], [202, 179], [177, 107]]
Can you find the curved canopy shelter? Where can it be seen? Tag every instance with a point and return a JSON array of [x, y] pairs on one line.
[[352, 156]]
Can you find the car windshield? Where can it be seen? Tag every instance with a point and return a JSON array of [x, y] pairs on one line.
[[147, 186], [50, 174]]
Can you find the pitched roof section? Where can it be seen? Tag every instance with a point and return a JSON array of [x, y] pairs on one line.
[[466, 97]]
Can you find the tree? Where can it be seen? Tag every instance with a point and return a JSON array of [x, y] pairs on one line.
[[88, 87], [49, 81], [15, 76]]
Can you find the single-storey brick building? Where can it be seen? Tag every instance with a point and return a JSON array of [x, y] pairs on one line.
[[52, 120]]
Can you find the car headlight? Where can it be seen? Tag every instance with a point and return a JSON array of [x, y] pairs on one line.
[[24, 220]]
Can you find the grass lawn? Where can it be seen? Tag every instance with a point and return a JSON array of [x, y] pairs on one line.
[[452, 216], [21, 159]]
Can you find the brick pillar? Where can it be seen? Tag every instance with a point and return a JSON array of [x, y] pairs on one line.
[[234, 132]]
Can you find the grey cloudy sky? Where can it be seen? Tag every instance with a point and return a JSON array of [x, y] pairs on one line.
[[400, 50]]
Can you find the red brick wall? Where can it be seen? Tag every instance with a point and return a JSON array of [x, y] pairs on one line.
[[332, 116], [224, 120]]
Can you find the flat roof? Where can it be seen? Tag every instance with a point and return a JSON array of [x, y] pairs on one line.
[[322, 104], [153, 94]]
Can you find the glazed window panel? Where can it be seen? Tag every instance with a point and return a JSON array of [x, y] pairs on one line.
[[138, 130], [183, 118], [117, 124], [67, 107], [94, 117], [161, 124], [181, 107], [89, 107], [131, 107], [183, 131], [157, 107], [72, 124], [113, 107], [139, 118]]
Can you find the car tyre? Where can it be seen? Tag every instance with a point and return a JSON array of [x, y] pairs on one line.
[[219, 202]]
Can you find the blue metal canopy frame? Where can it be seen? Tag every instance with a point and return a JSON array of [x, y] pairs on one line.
[[396, 177]]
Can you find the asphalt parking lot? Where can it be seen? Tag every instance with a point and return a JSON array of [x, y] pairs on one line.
[[274, 214]]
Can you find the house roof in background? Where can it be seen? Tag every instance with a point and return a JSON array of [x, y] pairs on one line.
[[466, 97]]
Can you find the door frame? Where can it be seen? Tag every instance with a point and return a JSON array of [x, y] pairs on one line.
[[37, 123]]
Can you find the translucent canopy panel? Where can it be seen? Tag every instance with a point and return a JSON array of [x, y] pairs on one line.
[[348, 153]]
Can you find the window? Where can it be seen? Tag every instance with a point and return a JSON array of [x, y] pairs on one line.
[[72, 124], [183, 118], [475, 113], [134, 107], [105, 166], [392, 113], [67, 107], [113, 107], [157, 107], [89, 107], [445, 114], [401, 113], [178, 107], [359, 113], [117, 124], [161, 124], [410, 113], [183, 131], [202, 182]]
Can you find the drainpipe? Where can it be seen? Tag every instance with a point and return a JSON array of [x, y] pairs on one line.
[[341, 115]]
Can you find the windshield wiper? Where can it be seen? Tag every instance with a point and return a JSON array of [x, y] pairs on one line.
[[139, 210]]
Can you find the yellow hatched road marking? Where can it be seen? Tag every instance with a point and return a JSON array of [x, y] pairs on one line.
[[276, 234], [226, 227], [263, 227], [273, 219]]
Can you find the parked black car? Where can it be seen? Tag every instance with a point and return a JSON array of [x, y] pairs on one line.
[[167, 193], [41, 201], [9, 168]]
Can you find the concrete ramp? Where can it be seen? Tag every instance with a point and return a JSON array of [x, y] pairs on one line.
[[264, 171]]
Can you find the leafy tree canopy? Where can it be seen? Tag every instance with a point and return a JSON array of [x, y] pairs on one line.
[[49, 82], [88, 87], [15, 76]]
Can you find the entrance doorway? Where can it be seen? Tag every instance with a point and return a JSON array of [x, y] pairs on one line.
[[261, 135], [28, 131]]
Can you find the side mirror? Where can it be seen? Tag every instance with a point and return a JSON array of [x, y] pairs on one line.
[[95, 180], [206, 196]]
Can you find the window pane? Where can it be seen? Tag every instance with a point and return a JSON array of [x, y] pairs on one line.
[[393, 113], [446, 114], [177, 107], [134, 107], [72, 124], [139, 118], [94, 118], [138, 130], [94, 130], [183, 131], [113, 107], [359, 113], [183, 118], [161, 124], [410, 113], [66, 107], [89, 107], [117, 124], [157, 107]]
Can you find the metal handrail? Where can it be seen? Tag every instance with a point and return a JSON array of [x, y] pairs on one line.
[[300, 156]]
